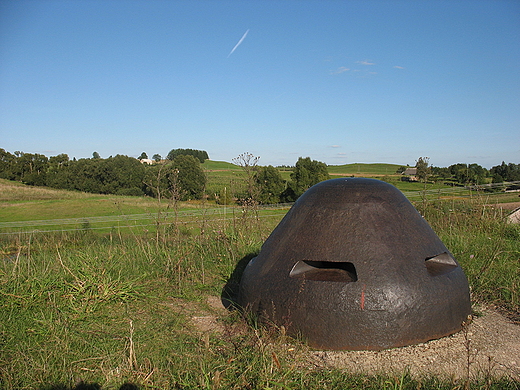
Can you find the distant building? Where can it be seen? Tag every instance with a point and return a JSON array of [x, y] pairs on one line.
[[146, 161], [409, 174]]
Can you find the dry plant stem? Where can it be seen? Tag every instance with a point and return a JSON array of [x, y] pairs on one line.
[[65, 267], [248, 163], [216, 380], [132, 361], [17, 261], [469, 355], [276, 361], [29, 255]]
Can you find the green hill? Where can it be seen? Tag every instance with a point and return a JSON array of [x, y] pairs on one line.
[[211, 165], [376, 169], [347, 169]]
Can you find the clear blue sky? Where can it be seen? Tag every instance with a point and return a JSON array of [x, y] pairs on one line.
[[338, 81]]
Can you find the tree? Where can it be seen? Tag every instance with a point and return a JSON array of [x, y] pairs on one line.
[[477, 173], [96, 155], [505, 172], [440, 173], [190, 176], [122, 175], [270, 184], [401, 169], [6, 161], [157, 157], [201, 155], [305, 174], [31, 168], [58, 174], [468, 174], [86, 176], [423, 168], [143, 156], [459, 172]]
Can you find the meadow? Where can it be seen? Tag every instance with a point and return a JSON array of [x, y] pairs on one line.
[[107, 290]]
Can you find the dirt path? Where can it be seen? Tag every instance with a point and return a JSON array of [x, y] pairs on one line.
[[488, 346], [507, 206]]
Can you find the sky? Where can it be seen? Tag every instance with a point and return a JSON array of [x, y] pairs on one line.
[[337, 81]]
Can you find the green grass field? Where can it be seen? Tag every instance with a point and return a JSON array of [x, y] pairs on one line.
[[223, 176], [219, 165], [226, 175], [378, 169], [136, 303]]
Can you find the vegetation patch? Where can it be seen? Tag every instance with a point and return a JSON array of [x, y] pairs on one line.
[[136, 305], [365, 170]]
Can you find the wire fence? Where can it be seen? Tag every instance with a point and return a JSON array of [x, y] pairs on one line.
[[132, 220], [463, 190], [214, 213]]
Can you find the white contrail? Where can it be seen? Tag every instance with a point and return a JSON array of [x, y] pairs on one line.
[[239, 42]]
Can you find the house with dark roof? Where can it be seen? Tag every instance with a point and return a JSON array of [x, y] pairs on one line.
[[409, 174]]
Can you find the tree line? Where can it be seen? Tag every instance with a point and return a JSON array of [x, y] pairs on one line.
[[200, 155], [466, 174], [271, 188], [181, 175]]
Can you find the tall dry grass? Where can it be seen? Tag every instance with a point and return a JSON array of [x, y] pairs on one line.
[[118, 307]]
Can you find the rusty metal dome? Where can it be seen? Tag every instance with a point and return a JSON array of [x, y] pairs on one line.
[[354, 266]]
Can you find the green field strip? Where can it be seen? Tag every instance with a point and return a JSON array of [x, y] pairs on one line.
[[120, 227], [183, 216]]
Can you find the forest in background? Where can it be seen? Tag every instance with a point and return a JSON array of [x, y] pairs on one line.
[[181, 175]]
